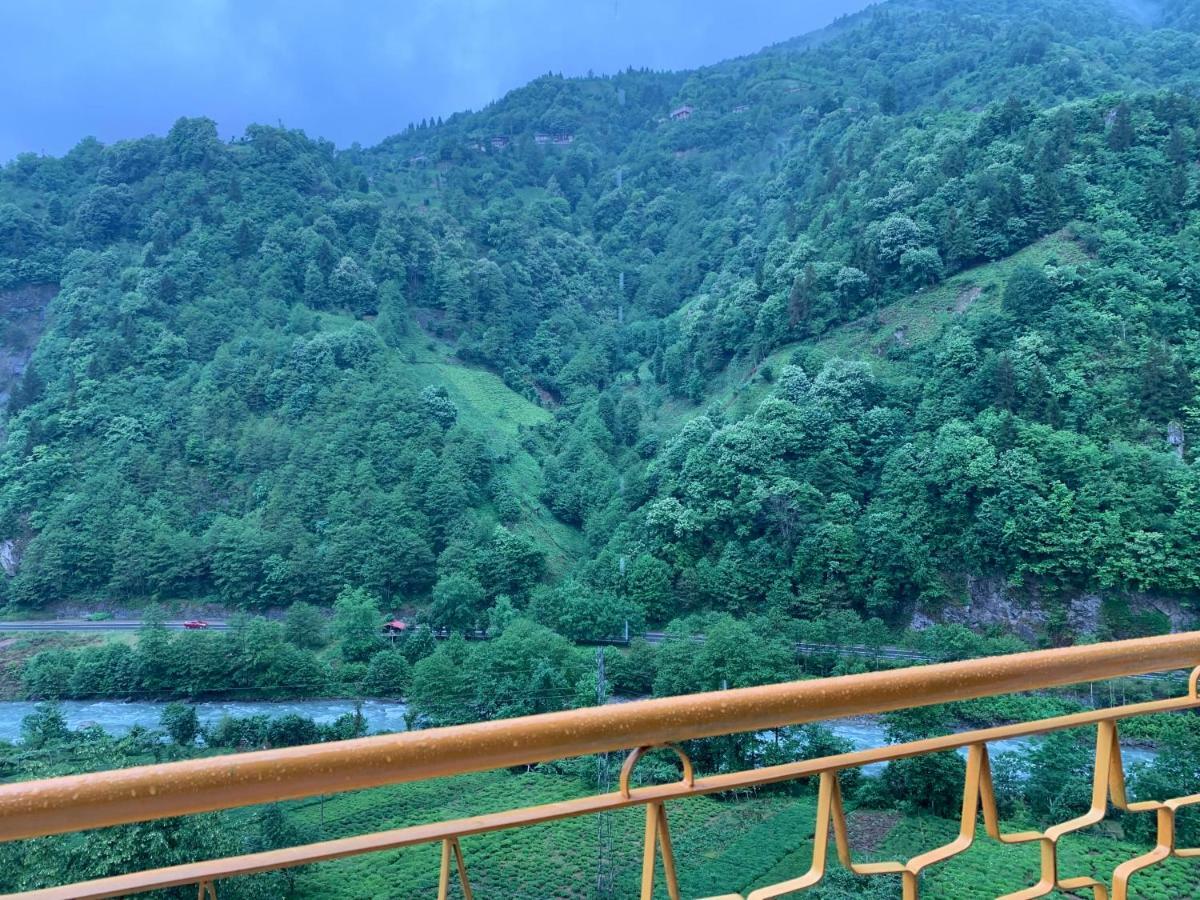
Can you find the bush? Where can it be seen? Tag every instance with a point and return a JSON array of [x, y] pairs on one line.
[[179, 720], [387, 675]]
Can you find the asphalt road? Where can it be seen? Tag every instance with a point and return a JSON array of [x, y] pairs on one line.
[[105, 625], [653, 637]]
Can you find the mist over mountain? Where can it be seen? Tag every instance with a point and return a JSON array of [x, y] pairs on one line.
[[898, 319], [353, 72]]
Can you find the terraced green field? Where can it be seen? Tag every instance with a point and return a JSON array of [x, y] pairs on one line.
[[721, 845]]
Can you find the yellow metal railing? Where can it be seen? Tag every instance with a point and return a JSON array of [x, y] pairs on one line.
[[75, 803]]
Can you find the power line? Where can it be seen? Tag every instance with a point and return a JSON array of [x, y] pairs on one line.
[[604, 870]]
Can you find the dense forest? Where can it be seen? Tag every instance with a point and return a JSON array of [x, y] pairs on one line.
[[848, 325]]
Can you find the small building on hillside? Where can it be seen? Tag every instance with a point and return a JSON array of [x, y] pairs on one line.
[[500, 141], [682, 114], [740, 108], [560, 139]]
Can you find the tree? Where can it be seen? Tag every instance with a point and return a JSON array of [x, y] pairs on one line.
[[48, 674], [356, 624], [931, 782], [512, 565], [157, 660], [1060, 776], [923, 266], [628, 420], [352, 288], [648, 584], [439, 406], [457, 602], [179, 720], [418, 644], [44, 727], [444, 686], [388, 675], [1028, 291], [1121, 135], [100, 216], [304, 625]]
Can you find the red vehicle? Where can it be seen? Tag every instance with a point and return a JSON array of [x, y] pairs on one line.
[[195, 623]]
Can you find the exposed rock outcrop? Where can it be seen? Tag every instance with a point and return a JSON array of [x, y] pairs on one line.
[[11, 551], [23, 314], [993, 604]]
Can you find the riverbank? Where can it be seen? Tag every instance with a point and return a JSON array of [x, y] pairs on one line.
[[119, 718], [384, 716]]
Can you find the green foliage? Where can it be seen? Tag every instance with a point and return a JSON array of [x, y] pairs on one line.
[[933, 782], [181, 722], [457, 602], [929, 279], [418, 644], [356, 624], [44, 727], [388, 675], [734, 654], [528, 669], [252, 656], [304, 625]]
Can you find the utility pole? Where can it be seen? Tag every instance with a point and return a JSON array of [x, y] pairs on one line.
[[604, 870], [621, 301]]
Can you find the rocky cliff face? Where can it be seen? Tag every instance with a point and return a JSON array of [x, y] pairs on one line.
[[10, 555], [22, 321], [992, 604]]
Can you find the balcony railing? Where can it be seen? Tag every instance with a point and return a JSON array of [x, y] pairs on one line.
[[76, 803]]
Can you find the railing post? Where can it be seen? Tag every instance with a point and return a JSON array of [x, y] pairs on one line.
[[450, 845], [658, 834], [207, 891]]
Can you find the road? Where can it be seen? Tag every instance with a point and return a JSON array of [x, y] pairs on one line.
[[652, 637], [104, 625], [658, 637], [900, 653]]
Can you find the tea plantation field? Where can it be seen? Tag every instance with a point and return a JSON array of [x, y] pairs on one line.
[[721, 845]]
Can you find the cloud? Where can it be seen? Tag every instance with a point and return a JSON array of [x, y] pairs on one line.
[[350, 71]]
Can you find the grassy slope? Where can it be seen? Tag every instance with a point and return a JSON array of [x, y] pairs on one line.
[[989, 869], [555, 860], [18, 646], [721, 846], [883, 339], [498, 413]]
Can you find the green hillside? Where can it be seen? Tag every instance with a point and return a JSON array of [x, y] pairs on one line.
[[887, 309]]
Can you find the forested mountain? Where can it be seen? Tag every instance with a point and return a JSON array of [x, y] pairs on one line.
[[841, 324]]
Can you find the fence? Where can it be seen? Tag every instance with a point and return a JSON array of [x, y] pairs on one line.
[[75, 803]]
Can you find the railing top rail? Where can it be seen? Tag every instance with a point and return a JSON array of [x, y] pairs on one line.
[[79, 802], [263, 861]]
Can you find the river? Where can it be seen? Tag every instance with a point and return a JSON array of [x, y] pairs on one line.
[[118, 718], [867, 733]]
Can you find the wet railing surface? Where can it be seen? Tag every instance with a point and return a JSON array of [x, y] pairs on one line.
[[75, 803]]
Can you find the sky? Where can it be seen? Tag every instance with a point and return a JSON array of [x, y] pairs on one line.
[[350, 71]]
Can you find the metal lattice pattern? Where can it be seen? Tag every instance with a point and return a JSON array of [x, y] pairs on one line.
[[1108, 787]]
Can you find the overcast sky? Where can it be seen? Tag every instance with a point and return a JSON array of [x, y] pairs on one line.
[[348, 71]]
